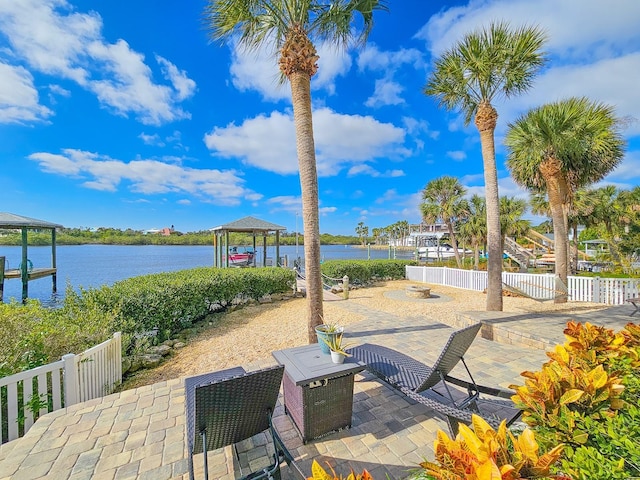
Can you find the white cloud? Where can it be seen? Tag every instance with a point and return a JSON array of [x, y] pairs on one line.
[[19, 100], [576, 28], [151, 139], [386, 92], [147, 177], [457, 155], [55, 40], [364, 169], [324, 211], [285, 203], [628, 172], [592, 47], [268, 142], [183, 84]]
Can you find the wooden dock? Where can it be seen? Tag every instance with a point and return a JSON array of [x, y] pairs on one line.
[[32, 274]]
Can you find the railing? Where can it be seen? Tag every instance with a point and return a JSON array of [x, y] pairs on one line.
[[25, 396], [610, 291]]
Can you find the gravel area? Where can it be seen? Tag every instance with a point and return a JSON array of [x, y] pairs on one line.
[[251, 333]]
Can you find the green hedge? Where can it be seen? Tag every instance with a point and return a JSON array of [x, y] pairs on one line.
[[364, 271], [170, 302], [31, 335]]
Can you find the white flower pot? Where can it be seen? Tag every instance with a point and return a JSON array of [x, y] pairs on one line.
[[337, 357]]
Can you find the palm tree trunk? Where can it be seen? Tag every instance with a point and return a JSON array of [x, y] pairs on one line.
[[556, 196], [454, 244], [301, 95], [486, 119]]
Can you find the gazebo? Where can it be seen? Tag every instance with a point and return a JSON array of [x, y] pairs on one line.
[[25, 271], [251, 225]]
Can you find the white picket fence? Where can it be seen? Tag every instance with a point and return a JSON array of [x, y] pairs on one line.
[[611, 291], [25, 396]]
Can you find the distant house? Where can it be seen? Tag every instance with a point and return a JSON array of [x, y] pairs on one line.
[[166, 231]]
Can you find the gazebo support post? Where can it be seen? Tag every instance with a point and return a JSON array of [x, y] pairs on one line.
[[54, 276], [24, 274], [277, 247]]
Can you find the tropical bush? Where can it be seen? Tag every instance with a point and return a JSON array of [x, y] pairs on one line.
[[32, 335], [484, 453], [587, 396], [319, 473], [171, 302], [364, 271]]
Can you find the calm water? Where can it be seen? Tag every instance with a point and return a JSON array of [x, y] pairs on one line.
[[96, 265]]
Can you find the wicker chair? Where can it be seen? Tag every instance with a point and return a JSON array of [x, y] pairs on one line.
[[228, 406], [433, 387]]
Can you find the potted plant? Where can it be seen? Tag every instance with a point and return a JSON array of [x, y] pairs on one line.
[[325, 333], [337, 348]]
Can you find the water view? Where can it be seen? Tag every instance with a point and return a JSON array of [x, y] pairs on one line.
[[96, 265]]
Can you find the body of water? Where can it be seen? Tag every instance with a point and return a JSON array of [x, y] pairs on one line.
[[95, 265]]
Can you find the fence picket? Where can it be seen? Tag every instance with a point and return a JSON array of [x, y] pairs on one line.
[[93, 373], [611, 291]]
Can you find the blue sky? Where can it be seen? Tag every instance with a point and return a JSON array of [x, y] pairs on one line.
[[123, 114]]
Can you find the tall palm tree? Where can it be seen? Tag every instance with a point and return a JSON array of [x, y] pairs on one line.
[[474, 227], [291, 26], [483, 66], [609, 214], [558, 148], [444, 199]]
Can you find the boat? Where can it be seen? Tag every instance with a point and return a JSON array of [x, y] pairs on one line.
[[438, 251], [241, 259]]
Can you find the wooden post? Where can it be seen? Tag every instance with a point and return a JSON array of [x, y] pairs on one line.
[[24, 274], [345, 287], [54, 276], [264, 250], [2, 261], [277, 248]]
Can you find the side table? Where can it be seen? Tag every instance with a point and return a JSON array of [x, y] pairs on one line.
[[318, 394]]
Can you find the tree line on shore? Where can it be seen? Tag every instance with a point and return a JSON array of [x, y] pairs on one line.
[[114, 236]]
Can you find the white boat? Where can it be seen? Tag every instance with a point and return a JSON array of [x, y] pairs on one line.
[[438, 251], [240, 259]]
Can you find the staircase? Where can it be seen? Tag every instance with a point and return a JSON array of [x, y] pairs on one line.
[[518, 254]]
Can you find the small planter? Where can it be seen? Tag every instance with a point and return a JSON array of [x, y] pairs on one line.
[[329, 336], [337, 357]]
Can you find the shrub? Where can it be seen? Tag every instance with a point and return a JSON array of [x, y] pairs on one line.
[[587, 395], [364, 271], [32, 335], [484, 453], [171, 302]]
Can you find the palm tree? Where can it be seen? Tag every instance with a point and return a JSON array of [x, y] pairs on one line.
[[511, 222], [609, 214], [290, 26], [558, 148], [444, 199], [483, 66], [474, 227]]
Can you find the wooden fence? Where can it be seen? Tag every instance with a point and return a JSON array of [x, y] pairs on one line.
[[610, 291], [25, 396]]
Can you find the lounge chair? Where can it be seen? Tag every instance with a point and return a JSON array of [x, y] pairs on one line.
[[433, 387], [226, 407]]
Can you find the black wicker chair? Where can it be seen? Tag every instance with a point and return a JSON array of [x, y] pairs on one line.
[[433, 387], [226, 407]]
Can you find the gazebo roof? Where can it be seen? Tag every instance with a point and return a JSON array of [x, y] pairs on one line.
[[248, 224], [10, 220]]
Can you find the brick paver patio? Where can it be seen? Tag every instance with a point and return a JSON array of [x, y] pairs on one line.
[[140, 433]]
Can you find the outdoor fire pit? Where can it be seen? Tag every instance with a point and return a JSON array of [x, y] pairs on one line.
[[416, 291]]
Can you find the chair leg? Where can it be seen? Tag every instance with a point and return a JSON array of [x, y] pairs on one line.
[[204, 448]]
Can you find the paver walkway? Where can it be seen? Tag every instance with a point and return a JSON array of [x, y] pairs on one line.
[[140, 433]]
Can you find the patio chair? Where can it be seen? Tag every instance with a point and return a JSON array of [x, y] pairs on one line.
[[433, 387], [228, 406]]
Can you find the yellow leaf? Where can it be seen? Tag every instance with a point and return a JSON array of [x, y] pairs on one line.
[[527, 445], [480, 426], [472, 441], [598, 377], [488, 471], [318, 472], [571, 396]]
